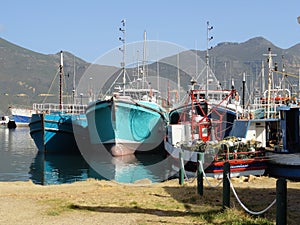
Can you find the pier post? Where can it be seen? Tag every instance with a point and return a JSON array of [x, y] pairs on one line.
[[281, 201], [226, 185], [181, 170], [199, 174]]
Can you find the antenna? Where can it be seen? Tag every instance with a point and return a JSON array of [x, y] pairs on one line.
[[208, 39], [123, 50]]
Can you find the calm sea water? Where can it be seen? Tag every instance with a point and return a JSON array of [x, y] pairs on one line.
[[20, 161]]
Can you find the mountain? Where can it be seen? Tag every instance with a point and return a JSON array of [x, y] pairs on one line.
[[26, 76], [229, 60]]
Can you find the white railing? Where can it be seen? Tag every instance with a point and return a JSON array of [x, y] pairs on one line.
[[63, 108]]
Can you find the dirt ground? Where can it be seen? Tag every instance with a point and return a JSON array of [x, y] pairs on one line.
[[107, 202]]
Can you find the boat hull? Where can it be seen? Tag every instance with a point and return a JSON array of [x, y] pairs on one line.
[[54, 133], [286, 165], [212, 168], [21, 116], [125, 126]]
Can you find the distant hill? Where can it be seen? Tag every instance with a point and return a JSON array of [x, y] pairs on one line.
[[230, 60], [26, 75]]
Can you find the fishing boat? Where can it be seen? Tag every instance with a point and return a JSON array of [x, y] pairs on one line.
[[129, 120], [52, 127], [126, 125], [192, 134], [273, 120], [284, 155]]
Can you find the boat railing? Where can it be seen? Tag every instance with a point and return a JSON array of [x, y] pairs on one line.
[[239, 155], [262, 106], [59, 108]]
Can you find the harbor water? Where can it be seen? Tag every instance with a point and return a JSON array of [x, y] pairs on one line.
[[20, 161]]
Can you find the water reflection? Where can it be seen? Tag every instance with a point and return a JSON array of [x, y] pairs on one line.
[[16, 153], [56, 168], [20, 161]]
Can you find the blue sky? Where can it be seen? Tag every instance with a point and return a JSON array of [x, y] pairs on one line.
[[89, 28]]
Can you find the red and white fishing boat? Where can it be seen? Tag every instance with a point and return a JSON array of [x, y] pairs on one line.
[[197, 127]]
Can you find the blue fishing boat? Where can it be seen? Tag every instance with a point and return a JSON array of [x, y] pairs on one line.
[[54, 132], [53, 127]]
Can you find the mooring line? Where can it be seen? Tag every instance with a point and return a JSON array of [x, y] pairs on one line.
[[243, 206], [204, 175]]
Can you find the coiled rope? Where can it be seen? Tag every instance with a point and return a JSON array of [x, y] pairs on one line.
[[243, 206]]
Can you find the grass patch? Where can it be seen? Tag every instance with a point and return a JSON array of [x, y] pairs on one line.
[[56, 207]]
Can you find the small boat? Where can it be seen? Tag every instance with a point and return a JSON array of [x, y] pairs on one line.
[[4, 121], [7, 122], [53, 126], [192, 132], [21, 116]]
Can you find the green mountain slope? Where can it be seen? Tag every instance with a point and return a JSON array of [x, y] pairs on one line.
[[26, 75]]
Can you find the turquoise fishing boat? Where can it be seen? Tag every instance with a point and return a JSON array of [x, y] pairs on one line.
[[129, 120], [125, 125], [53, 126]]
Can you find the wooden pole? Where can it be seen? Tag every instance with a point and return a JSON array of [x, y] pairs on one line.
[[281, 202], [226, 185]]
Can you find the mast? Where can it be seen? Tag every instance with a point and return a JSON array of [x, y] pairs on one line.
[[270, 74], [123, 50], [208, 39], [144, 59], [244, 87], [178, 78], [157, 73], [60, 80], [262, 77], [74, 81]]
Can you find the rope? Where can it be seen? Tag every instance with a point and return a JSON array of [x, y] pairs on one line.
[[243, 206], [207, 181], [50, 87]]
